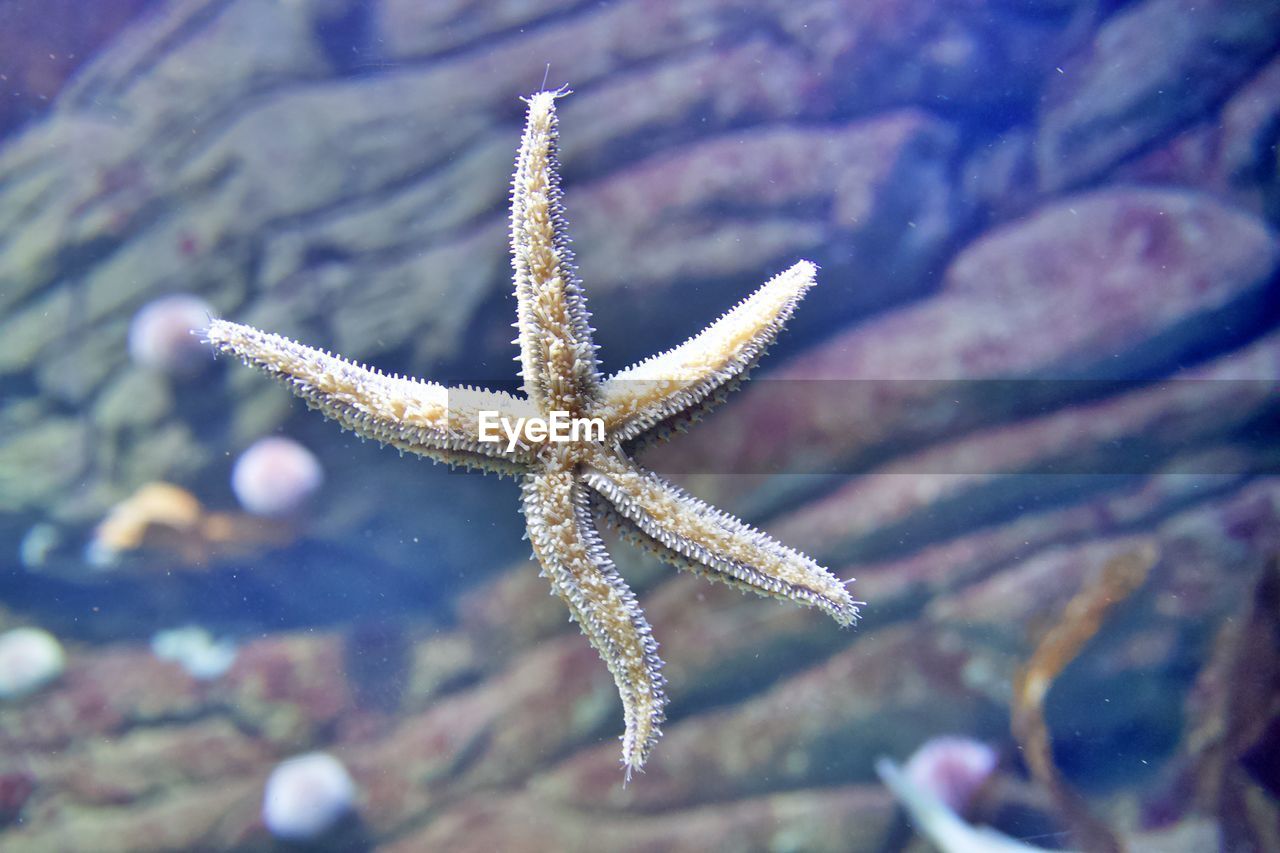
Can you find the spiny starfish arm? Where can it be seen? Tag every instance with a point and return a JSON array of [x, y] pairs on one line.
[[557, 355], [684, 382], [424, 418], [565, 541], [694, 535]]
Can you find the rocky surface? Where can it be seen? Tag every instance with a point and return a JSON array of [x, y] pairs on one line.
[[44, 44], [1150, 69], [1044, 336]]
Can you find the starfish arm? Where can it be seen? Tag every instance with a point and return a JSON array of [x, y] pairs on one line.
[[694, 535], [557, 355], [424, 418], [565, 541], [683, 383]]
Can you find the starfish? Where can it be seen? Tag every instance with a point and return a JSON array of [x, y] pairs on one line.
[[571, 481]]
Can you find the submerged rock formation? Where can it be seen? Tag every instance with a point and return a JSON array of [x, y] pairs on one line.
[[1044, 335]]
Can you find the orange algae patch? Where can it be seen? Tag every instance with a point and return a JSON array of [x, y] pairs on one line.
[[165, 521]]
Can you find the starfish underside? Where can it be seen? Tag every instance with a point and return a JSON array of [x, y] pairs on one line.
[[569, 486]]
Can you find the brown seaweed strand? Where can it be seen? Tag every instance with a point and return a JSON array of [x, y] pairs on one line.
[[1081, 619]]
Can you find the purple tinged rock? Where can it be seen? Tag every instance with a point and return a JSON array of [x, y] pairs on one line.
[[1149, 70], [1103, 285]]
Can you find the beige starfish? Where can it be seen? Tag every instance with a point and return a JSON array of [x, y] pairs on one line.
[[568, 484]]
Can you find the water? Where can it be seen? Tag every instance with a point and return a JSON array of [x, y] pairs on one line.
[[1029, 404]]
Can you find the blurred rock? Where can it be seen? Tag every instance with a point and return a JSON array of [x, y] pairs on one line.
[[1232, 154], [1150, 69], [1094, 446], [1031, 382], [1113, 285], [1232, 734], [871, 201], [966, 650], [836, 819], [99, 695], [42, 45]]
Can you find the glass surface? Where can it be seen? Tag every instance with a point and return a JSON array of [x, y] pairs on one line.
[[1030, 403]]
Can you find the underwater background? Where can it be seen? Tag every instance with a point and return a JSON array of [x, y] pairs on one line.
[[1031, 406]]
